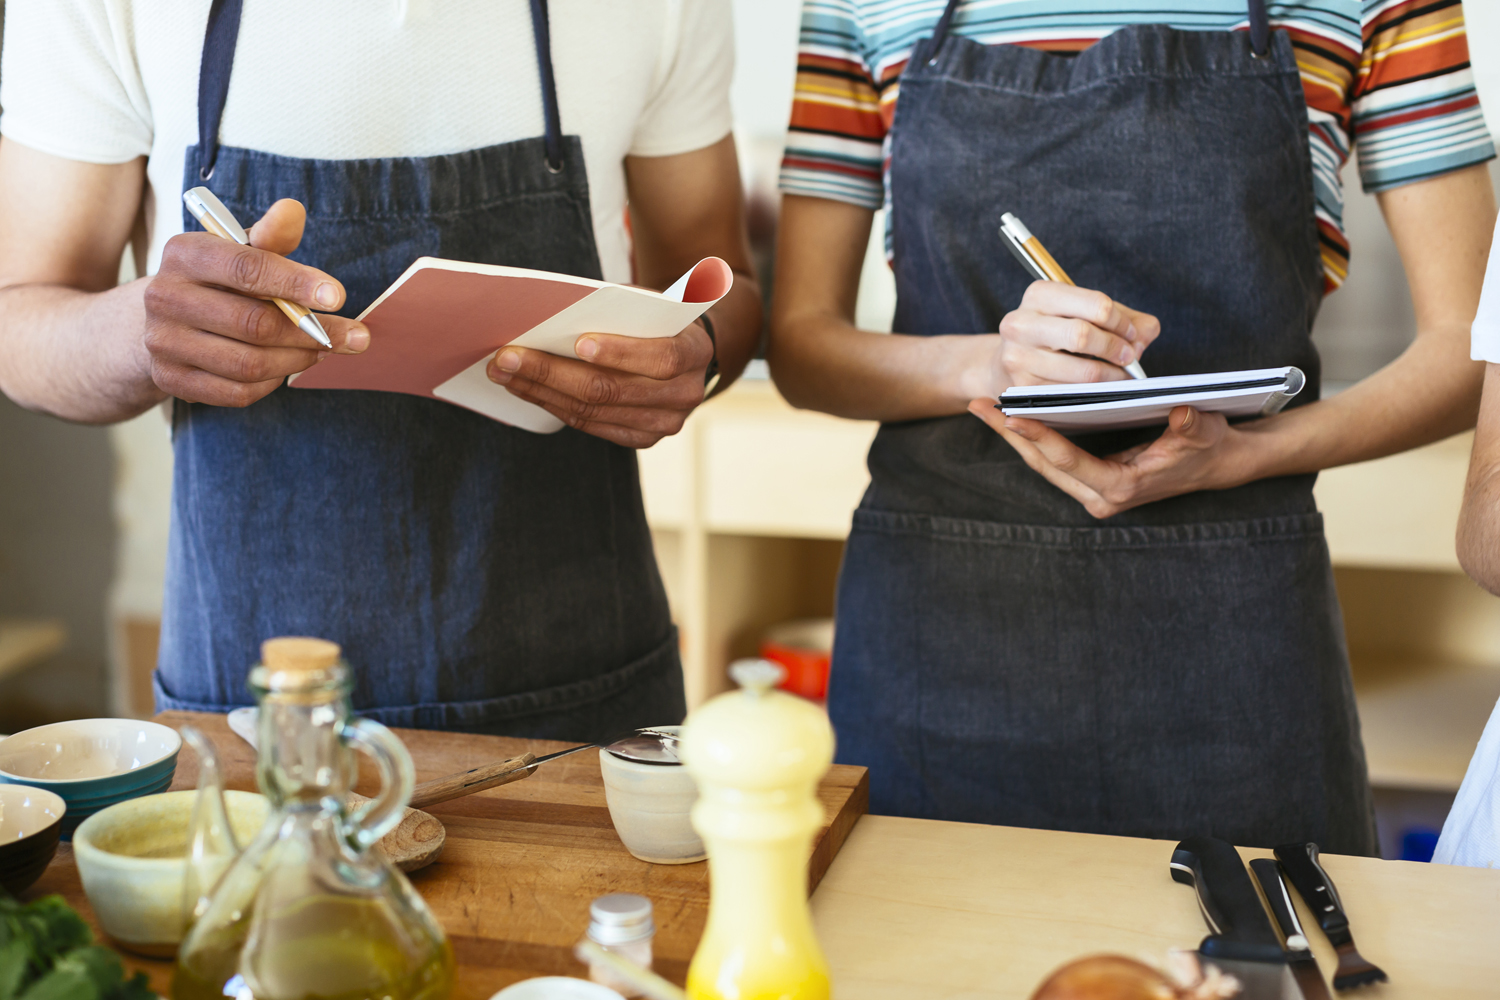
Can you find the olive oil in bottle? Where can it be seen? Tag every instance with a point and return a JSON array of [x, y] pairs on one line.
[[309, 911]]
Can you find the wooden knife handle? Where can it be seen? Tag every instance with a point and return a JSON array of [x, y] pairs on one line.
[[454, 786]]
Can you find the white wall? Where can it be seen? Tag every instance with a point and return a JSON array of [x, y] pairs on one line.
[[1483, 17], [765, 37]]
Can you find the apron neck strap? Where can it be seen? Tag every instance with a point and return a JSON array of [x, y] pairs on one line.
[[218, 60], [213, 79], [1260, 27], [940, 33], [541, 32]]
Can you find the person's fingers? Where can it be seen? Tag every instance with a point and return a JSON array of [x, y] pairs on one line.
[[1194, 427], [252, 321], [1059, 299], [194, 385], [280, 229], [208, 260], [654, 357], [1027, 365], [1147, 327], [661, 421], [595, 385], [628, 435], [1062, 454], [1038, 461], [1065, 333]]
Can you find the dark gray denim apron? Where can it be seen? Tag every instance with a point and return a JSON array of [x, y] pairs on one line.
[[1001, 656], [479, 577]]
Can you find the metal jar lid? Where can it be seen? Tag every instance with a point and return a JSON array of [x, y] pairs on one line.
[[620, 918], [648, 746]]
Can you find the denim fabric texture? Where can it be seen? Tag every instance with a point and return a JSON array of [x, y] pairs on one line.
[[1002, 656], [479, 577]]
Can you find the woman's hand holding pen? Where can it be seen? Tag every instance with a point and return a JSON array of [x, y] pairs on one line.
[[1065, 334], [213, 337], [1058, 335]]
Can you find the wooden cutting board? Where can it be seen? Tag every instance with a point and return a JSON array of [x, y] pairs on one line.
[[522, 862]]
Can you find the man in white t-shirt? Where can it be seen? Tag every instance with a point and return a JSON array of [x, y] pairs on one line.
[[479, 577]]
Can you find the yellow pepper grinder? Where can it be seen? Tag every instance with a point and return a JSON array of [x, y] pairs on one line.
[[757, 755]]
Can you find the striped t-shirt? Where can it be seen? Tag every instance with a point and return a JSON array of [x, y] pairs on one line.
[[1393, 74]]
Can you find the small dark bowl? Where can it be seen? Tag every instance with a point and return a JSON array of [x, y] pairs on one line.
[[30, 826]]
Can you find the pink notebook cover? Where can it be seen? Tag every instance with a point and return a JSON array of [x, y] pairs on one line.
[[443, 318]]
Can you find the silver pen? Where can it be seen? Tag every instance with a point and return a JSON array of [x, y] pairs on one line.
[[1035, 258], [214, 217]]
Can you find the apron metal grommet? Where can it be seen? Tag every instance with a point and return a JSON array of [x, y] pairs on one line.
[[551, 169]]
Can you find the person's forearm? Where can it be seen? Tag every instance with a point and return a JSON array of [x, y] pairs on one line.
[[1442, 228], [74, 354], [737, 322], [822, 361], [828, 364], [1430, 392], [1479, 520]]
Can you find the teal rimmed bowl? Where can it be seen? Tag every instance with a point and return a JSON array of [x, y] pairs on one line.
[[92, 763]]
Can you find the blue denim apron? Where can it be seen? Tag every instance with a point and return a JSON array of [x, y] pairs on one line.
[[479, 577], [1001, 656]]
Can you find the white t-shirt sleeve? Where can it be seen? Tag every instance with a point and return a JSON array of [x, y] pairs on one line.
[[68, 84], [1484, 344], [690, 109], [1471, 834]]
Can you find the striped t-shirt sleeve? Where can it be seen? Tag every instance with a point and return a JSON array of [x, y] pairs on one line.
[[1416, 113], [836, 131]]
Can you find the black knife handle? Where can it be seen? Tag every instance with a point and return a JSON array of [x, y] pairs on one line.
[[1300, 861], [1268, 874], [1227, 897]]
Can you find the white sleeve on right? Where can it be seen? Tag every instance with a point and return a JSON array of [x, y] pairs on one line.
[[1484, 343], [68, 81]]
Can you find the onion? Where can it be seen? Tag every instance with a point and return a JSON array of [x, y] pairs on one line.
[[1115, 977]]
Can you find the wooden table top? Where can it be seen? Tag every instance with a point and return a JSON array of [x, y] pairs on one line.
[[522, 862], [942, 911]]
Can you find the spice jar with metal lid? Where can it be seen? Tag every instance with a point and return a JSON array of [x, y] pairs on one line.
[[621, 923]]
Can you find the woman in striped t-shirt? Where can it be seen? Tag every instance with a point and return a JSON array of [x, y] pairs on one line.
[[1132, 632]]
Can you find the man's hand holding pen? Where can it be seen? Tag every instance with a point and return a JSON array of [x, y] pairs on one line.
[[212, 335]]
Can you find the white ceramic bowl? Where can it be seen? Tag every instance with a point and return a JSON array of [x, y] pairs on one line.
[[92, 763], [132, 859], [651, 806], [556, 988]]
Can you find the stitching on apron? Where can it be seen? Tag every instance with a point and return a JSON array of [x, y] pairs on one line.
[[557, 698], [1098, 71], [1269, 529]]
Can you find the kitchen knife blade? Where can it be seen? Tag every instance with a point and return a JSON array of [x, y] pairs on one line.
[[1300, 862], [1242, 942], [1299, 953]]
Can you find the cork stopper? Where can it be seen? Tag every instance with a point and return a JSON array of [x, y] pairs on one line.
[[298, 654]]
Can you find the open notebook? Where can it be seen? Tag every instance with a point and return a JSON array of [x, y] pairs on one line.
[[1098, 406], [434, 331]]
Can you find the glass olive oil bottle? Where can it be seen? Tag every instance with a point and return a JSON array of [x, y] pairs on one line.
[[309, 911]]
